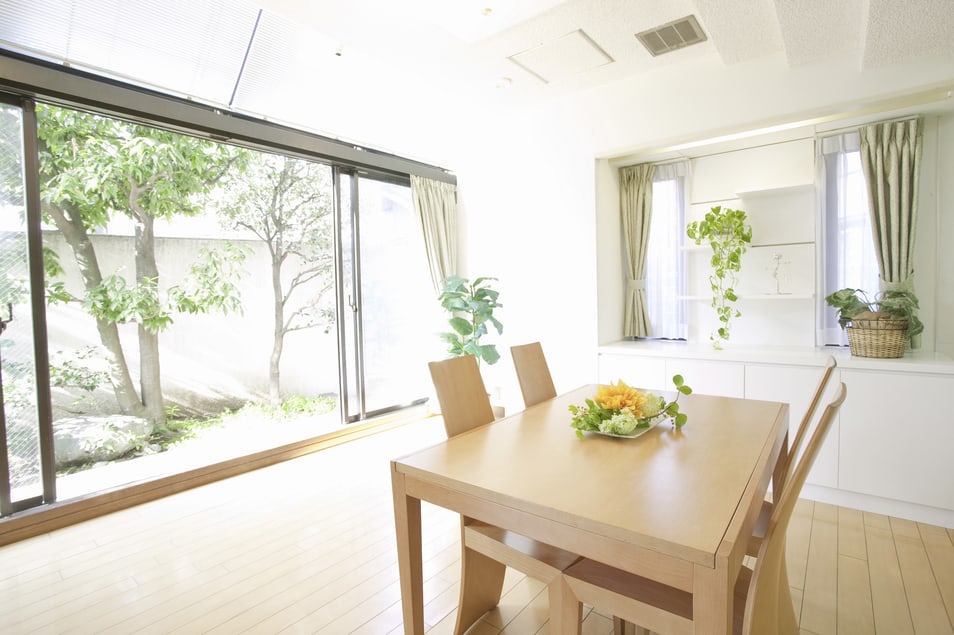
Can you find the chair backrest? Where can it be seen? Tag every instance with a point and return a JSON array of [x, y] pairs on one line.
[[533, 373], [763, 612], [461, 393], [801, 432]]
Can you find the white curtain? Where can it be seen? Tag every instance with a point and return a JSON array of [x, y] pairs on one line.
[[665, 260], [844, 238], [636, 210], [436, 205]]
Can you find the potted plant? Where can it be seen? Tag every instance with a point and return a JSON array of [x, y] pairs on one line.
[[471, 306], [880, 326], [728, 235]]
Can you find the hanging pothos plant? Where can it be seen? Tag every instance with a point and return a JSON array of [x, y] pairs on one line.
[[728, 234]]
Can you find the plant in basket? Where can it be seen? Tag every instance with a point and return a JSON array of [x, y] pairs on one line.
[[878, 326]]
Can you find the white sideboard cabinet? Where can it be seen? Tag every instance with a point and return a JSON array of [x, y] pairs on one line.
[[890, 451]]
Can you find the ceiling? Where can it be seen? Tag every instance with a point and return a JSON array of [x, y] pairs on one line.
[[311, 62]]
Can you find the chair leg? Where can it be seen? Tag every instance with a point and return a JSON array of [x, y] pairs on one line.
[[787, 622], [622, 627], [481, 582]]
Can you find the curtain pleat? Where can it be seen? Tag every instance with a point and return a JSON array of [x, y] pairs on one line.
[[436, 205], [636, 209], [891, 160]]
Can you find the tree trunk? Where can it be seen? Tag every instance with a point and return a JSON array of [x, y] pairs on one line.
[[69, 222], [150, 383], [278, 334]]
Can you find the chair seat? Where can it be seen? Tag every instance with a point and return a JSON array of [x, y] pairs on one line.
[[531, 557]]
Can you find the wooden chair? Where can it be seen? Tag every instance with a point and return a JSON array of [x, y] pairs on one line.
[[532, 373], [487, 550], [784, 469], [762, 602]]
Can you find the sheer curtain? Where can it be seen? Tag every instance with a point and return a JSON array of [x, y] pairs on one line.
[[636, 199], [436, 204], [665, 260], [847, 247], [891, 160]]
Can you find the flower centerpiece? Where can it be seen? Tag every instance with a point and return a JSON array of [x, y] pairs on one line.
[[622, 410]]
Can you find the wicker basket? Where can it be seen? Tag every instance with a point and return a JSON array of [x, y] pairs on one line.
[[877, 338]]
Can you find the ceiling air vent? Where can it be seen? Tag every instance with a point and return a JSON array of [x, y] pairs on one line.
[[674, 35]]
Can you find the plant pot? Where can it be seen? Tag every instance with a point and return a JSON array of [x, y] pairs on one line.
[[877, 338]]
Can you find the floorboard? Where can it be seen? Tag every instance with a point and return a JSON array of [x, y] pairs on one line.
[[307, 546]]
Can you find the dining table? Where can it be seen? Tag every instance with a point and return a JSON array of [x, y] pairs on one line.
[[675, 505]]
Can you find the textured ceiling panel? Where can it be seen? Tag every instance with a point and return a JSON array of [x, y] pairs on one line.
[[741, 31], [326, 63], [815, 30], [900, 30]]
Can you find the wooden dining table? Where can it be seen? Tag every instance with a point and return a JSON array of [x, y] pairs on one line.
[[672, 505]]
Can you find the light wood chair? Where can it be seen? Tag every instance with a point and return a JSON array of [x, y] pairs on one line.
[[783, 471], [762, 602], [486, 550], [533, 373], [787, 464]]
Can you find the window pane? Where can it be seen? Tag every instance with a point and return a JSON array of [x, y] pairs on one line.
[[665, 273], [194, 320], [850, 259], [397, 299], [16, 336]]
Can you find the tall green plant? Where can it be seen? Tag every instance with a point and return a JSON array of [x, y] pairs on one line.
[[727, 234], [471, 305]]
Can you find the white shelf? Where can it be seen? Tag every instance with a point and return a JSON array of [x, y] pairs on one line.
[[755, 296], [776, 191]]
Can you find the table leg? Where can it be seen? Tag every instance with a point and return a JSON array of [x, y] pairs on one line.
[[407, 524], [712, 599]]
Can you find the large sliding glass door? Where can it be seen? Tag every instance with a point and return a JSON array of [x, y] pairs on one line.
[[392, 312], [186, 291], [26, 467]]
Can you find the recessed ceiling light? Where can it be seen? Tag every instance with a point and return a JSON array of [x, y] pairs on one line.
[[504, 82]]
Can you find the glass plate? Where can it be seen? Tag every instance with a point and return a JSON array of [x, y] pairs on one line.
[[638, 433]]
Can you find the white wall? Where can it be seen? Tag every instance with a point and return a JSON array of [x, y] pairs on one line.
[[538, 187]]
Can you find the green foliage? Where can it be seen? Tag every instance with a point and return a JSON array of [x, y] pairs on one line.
[[471, 306], [594, 416], [854, 304], [101, 166], [76, 371], [210, 285], [728, 235], [115, 301]]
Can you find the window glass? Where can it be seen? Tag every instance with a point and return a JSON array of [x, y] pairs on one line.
[[849, 255], [665, 269]]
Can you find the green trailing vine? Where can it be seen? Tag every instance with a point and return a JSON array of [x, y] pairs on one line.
[[728, 234]]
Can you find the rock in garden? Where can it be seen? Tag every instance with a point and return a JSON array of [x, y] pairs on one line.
[[90, 438]]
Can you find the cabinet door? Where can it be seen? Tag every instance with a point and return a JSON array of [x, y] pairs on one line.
[[725, 379], [795, 386], [897, 437], [648, 373]]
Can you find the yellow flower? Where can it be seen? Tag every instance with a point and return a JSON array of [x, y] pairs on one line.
[[619, 396]]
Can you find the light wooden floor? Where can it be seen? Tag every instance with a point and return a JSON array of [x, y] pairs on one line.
[[307, 546]]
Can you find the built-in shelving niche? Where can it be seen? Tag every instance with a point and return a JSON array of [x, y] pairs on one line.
[[777, 281]]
